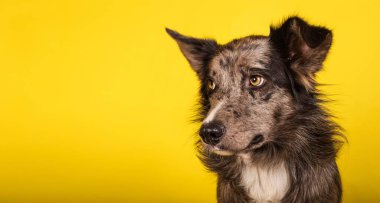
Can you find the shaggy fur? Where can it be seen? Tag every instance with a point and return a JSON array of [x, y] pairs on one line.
[[279, 143]]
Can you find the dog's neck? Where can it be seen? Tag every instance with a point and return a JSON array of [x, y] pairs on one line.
[[264, 183]]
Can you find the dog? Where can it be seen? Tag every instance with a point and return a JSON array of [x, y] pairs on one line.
[[265, 132]]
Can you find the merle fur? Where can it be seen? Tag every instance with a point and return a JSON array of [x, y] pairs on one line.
[[307, 142]]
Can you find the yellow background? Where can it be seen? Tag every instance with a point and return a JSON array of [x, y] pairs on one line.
[[96, 100]]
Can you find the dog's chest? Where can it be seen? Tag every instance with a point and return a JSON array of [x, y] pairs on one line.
[[265, 184]]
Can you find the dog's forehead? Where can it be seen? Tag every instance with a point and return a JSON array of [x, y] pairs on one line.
[[247, 52]]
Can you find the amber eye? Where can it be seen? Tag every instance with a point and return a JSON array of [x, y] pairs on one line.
[[211, 85], [256, 80]]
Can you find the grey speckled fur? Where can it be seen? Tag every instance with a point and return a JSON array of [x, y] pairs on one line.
[[286, 111]]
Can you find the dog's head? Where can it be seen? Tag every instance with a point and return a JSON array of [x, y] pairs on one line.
[[251, 85]]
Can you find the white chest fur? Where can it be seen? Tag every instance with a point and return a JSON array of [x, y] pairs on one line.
[[265, 184]]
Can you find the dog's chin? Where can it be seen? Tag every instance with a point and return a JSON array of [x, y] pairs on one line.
[[222, 152], [255, 143], [217, 150]]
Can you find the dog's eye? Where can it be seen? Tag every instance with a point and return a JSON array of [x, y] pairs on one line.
[[256, 80], [211, 85]]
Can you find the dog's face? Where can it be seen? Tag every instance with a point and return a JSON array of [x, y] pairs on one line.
[[251, 85], [247, 95]]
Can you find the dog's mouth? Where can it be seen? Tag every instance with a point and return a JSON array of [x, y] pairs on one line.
[[218, 150], [255, 143]]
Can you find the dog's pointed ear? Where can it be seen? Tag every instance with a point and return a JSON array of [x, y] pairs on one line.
[[304, 46], [197, 51]]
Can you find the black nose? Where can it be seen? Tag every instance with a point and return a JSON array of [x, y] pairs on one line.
[[212, 132]]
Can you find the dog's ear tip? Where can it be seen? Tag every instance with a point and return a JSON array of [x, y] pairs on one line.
[[295, 18], [287, 22], [168, 30], [172, 33]]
